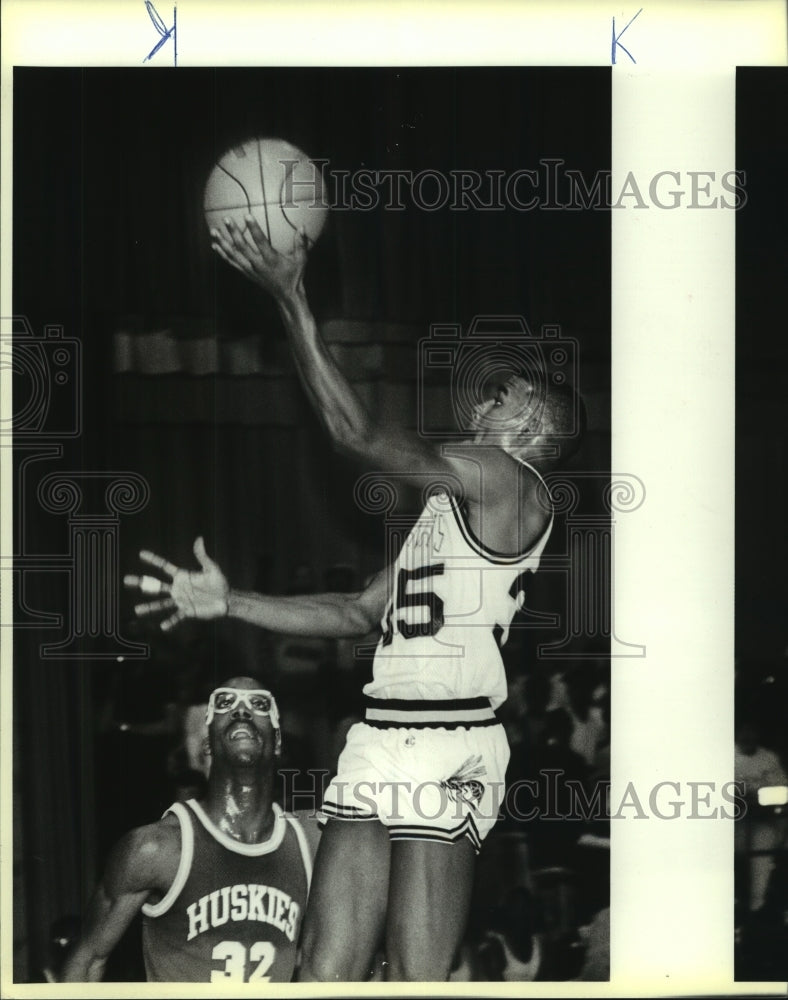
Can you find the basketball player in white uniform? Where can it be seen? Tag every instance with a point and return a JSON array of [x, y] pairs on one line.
[[420, 781], [222, 882]]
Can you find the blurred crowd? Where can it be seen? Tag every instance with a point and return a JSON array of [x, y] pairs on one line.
[[761, 835]]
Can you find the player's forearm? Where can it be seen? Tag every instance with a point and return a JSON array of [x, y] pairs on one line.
[[329, 391], [330, 616]]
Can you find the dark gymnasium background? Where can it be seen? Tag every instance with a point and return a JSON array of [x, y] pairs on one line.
[[761, 700], [179, 412]]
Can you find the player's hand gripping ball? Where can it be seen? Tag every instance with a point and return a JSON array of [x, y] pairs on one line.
[[274, 183]]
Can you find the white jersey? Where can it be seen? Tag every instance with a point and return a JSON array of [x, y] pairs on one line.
[[451, 606]]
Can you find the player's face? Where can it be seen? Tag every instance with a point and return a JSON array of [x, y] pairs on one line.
[[505, 412], [242, 717]]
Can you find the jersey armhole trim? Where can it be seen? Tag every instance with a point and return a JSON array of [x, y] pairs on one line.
[[306, 854], [184, 864], [498, 558]]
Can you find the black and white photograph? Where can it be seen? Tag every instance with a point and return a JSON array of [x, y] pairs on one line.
[[391, 460], [314, 521], [761, 697]]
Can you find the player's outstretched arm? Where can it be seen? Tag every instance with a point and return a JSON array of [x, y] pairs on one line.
[[351, 427], [141, 861], [206, 594], [282, 275], [328, 616]]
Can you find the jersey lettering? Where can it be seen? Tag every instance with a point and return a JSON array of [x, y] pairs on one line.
[[406, 600], [234, 956], [517, 594], [244, 902]]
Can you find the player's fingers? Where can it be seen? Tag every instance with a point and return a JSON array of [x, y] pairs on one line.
[[153, 606], [163, 564], [147, 584], [301, 247], [172, 621], [241, 264], [220, 241], [237, 238], [201, 555], [261, 240]]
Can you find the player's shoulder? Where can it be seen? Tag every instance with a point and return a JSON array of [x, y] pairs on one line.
[[535, 490], [150, 853], [156, 844]]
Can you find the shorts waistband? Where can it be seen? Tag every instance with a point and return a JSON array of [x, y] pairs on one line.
[[441, 713]]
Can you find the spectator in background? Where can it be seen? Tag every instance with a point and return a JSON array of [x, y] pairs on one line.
[[63, 935], [538, 693], [596, 964], [556, 768], [762, 951], [191, 753], [761, 830], [513, 949], [593, 849], [600, 764], [523, 715], [581, 691]]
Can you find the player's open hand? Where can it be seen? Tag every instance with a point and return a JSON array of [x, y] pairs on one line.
[[280, 274], [202, 594]]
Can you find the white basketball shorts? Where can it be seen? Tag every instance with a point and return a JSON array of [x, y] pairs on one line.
[[427, 770]]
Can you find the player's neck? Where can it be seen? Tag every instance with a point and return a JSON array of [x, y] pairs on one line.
[[239, 804]]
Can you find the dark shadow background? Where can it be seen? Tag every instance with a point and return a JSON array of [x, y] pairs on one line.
[[109, 240], [761, 464]]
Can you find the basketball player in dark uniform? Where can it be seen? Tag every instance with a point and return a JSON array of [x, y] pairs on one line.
[[222, 882], [420, 781]]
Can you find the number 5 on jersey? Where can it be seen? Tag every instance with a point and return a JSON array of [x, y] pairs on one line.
[[406, 600]]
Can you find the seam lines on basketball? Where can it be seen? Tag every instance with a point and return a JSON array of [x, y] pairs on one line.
[[262, 187], [240, 185], [289, 171]]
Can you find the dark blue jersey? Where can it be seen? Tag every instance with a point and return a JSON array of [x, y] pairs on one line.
[[234, 911]]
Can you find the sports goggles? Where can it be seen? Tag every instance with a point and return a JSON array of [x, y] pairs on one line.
[[257, 700]]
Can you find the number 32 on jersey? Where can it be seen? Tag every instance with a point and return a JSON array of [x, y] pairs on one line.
[[237, 964]]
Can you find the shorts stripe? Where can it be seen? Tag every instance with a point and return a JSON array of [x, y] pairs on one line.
[[346, 811], [415, 832], [450, 713], [431, 724], [425, 704]]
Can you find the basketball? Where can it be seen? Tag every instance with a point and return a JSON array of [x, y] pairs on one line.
[[274, 182]]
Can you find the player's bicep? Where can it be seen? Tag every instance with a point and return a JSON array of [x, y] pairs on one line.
[[470, 473], [143, 861], [111, 913], [416, 461]]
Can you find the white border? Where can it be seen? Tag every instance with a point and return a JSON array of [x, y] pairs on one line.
[[673, 387]]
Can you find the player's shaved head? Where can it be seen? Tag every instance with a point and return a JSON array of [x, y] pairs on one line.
[[562, 420], [244, 684]]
